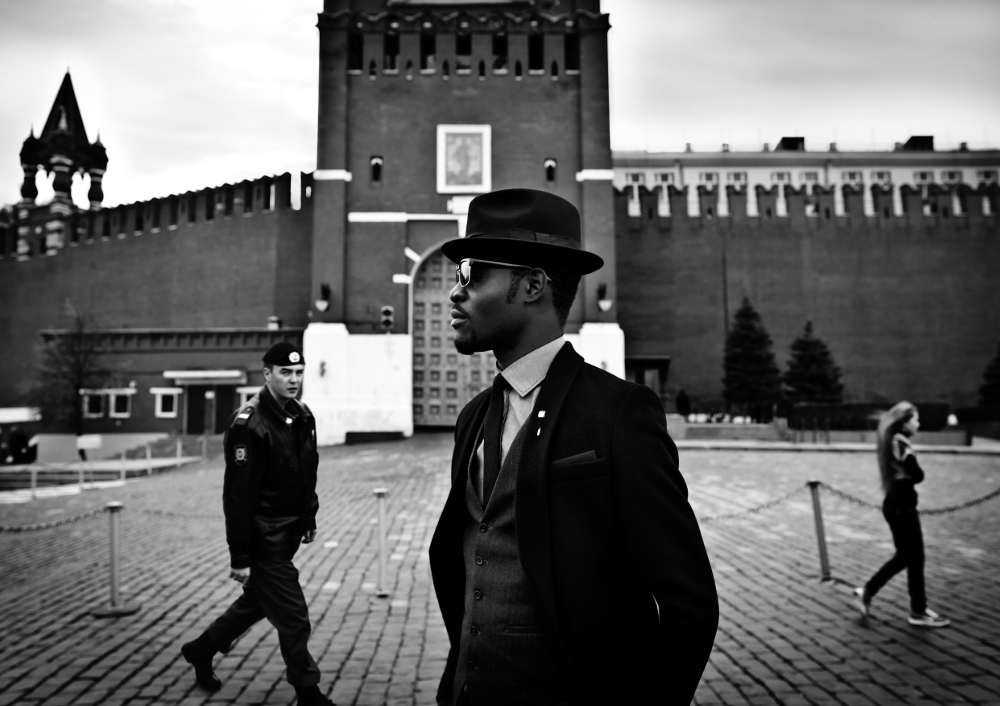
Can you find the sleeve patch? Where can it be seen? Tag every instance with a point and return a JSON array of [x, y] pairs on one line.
[[240, 454]]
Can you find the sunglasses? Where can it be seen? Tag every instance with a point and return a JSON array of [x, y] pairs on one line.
[[463, 273]]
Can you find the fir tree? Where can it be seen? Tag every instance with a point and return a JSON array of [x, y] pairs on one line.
[[751, 379], [811, 374], [989, 392]]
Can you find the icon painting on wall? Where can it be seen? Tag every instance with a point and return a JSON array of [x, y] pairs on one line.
[[463, 164]]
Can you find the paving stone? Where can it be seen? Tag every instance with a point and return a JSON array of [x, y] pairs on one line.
[[785, 637]]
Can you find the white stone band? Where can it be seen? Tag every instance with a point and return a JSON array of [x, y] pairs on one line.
[[595, 175], [332, 175]]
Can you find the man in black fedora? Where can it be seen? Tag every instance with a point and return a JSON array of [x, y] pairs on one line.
[[568, 564], [269, 499]]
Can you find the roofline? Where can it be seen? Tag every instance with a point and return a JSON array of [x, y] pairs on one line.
[[626, 158]]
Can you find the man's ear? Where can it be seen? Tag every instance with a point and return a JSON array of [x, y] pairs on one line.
[[535, 283]]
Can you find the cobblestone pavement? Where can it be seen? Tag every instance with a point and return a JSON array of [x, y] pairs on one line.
[[785, 636]]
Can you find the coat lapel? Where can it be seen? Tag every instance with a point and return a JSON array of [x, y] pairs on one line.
[[534, 538]]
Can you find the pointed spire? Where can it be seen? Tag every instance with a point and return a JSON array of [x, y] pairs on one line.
[[65, 115]]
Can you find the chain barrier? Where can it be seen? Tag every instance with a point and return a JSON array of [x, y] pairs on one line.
[[754, 510], [14, 529], [181, 515], [930, 511]]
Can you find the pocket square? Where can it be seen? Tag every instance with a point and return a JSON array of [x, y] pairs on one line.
[[576, 458]]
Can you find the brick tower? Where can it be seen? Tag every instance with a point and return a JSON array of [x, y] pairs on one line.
[[423, 105]]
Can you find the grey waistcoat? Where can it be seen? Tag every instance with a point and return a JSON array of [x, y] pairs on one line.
[[503, 655]]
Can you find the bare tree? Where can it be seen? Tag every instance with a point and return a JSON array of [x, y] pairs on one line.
[[68, 361]]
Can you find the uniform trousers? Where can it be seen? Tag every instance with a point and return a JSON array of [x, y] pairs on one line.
[[273, 592], [909, 540]]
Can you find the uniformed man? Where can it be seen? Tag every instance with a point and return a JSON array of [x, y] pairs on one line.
[[269, 498]]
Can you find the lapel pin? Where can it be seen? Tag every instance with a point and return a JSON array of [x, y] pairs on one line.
[[541, 414]]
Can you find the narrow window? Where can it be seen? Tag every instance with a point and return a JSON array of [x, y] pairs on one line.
[[885, 212], [106, 227], [355, 51], [248, 197], [445, 70], [228, 199], [139, 221], [172, 211], [826, 213], [554, 71], [372, 70], [409, 70], [209, 204], [428, 48], [571, 58], [390, 51], [500, 52], [768, 212], [192, 207], [518, 71], [709, 213], [156, 214], [376, 164], [536, 52], [550, 169], [482, 70], [463, 52], [121, 406]]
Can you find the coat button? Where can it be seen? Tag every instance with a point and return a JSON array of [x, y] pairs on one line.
[[478, 595], [479, 560], [483, 527], [474, 631]]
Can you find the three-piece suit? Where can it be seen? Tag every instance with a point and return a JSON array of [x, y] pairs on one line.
[[584, 579]]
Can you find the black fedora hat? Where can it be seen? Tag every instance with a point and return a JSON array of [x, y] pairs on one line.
[[524, 227]]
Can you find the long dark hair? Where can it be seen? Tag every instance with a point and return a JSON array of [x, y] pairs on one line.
[[888, 426]]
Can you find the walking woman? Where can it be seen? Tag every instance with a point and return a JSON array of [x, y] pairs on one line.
[[900, 473]]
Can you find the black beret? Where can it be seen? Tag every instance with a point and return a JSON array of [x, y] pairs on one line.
[[284, 353]]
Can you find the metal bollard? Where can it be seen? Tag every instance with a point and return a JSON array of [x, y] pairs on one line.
[[123, 468], [116, 607], [34, 480], [81, 474], [180, 451], [824, 560], [204, 446], [149, 460], [380, 591]]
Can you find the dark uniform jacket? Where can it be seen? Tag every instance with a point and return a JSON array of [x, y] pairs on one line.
[[271, 465], [605, 535]]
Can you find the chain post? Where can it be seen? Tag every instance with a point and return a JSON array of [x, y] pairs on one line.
[[380, 588], [180, 451], [824, 560], [115, 607], [34, 481], [149, 459]]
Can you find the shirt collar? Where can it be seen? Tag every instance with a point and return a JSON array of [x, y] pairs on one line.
[[526, 373]]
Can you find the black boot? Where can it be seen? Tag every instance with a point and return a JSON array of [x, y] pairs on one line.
[[199, 654], [312, 696]]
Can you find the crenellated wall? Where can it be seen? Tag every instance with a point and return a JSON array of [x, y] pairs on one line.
[[908, 304], [230, 256]]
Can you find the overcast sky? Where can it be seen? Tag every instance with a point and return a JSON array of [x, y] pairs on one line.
[[195, 93]]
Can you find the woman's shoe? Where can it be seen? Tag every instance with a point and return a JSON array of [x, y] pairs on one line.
[[929, 619], [863, 603]]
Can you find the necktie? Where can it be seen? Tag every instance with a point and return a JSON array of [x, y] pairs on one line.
[[492, 429]]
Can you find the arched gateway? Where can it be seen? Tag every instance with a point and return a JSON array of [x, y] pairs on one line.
[[443, 379]]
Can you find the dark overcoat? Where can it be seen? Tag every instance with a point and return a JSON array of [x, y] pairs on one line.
[[606, 537]]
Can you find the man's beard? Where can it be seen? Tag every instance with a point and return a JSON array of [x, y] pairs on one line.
[[466, 345]]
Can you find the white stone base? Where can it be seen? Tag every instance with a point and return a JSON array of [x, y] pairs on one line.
[[601, 345], [357, 383]]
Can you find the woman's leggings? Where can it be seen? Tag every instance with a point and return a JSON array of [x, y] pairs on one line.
[[909, 541]]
